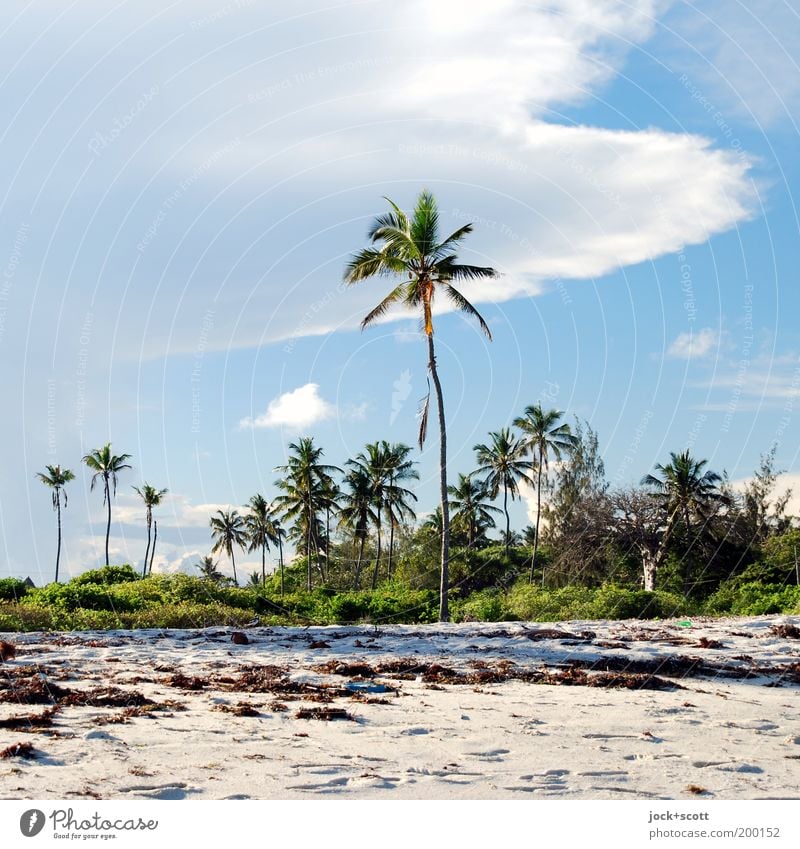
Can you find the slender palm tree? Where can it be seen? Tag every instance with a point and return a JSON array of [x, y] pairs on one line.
[[57, 479], [305, 486], [410, 247], [472, 512], [686, 489], [357, 513], [106, 466], [228, 530], [501, 466], [261, 530], [152, 498], [543, 437]]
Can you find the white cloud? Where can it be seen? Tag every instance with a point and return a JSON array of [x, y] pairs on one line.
[[690, 345], [300, 408], [323, 137]]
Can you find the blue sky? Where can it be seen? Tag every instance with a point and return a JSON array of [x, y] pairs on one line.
[[183, 182]]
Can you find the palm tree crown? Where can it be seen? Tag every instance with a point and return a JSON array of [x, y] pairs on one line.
[[305, 492], [106, 466], [410, 247], [228, 530], [501, 466], [152, 498], [543, 437], [686, 489], [471, 509], [57, 478]]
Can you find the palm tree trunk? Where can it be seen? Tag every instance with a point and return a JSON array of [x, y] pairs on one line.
[[233, 563], [58, 548], [687, 569], [357, 580], [308, 546], [391, 545], [108, 523], [377, 560], [147, 550], [538, 514], [280, 560], [263, 565], [444, 610], [508, 519], [153, 549]]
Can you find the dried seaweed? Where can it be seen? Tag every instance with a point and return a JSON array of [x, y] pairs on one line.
[[19, 750], [324, 713], [791, 632], [31, 720]]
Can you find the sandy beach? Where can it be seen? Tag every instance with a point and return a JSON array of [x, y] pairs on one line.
[[578, 710]]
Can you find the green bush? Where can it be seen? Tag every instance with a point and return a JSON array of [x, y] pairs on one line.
[[107, 575], [483, 606], [12, 589], [752, 599]]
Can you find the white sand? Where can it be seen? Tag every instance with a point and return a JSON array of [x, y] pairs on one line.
[[514, 739]]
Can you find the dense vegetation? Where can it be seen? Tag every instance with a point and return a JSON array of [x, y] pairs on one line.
[[683, 542]]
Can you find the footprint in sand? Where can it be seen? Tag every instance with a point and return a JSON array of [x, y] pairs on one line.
[[492, 755], [323, 787]]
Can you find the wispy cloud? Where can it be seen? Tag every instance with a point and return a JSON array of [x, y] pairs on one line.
[[689, 345]]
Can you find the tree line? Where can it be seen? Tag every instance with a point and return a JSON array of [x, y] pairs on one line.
[[344, 519]]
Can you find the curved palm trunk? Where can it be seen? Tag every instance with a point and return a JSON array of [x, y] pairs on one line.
[[263, 565], [147, 550], [58, 547], [153, 549], [538, 515], [444, 583], [108, 522], [508, 519]]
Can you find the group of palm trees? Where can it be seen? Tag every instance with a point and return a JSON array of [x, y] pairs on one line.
[[374, 493], [104, 466]]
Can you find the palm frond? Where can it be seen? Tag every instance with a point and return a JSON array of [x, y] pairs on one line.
[[465, 306], [397, 294]]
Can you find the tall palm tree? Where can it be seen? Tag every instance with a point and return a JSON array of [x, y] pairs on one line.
[[261, 530], [410, 248], [106, 466], [152, 498], [57, 478], [501, 466], [399, 468], [685, 488], [357, 512], [228, 530], [472, 511], [543, 437], [305, 486]]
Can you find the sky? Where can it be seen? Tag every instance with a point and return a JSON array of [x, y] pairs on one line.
[[183, 182]]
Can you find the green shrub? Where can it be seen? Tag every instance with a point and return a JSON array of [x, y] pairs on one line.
[[12, 589], [107, 575], [482, 606], [752, 599]]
